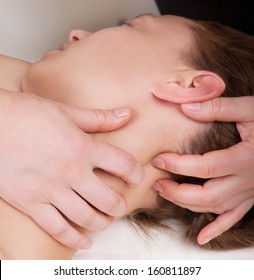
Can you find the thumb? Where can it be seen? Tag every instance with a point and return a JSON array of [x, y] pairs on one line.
[[97, 120]]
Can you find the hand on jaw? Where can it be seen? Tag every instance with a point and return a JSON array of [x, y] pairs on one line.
[[53, 179]]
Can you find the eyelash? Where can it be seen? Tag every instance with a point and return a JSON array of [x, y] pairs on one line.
[[124, 21]]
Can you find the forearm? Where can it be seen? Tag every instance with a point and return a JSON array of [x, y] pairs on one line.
[[21, 238]]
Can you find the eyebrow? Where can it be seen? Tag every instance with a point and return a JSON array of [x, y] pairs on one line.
[[124, 20], [142, 15]]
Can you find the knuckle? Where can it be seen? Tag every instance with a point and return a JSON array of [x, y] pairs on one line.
[[32, 190], [216, 106], [29, 195], [217, 210], [206, 169], [88, 220], [100, 224], [61, 168], [94, 222], [59, 230], [101, 117], [129, 165], [211, 202], [112, 204]]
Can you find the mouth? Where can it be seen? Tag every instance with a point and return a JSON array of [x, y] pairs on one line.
[[54, 51], [63, 47], [49, 53]]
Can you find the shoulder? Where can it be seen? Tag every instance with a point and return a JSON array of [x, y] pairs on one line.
[[11, 72]]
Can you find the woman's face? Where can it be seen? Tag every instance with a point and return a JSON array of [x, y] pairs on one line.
[[117, 67]]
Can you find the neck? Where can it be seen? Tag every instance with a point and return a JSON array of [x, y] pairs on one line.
[[12, 72]]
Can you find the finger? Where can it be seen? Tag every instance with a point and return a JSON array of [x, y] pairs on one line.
[[216, 196], [210, 165], [232, 202], [96, 120], [50, 220], [190, 196], [224, 222], [100, 195], [246, 131], [228, 205], [117, 162], [179, 193], [79, 211], [235, 109]]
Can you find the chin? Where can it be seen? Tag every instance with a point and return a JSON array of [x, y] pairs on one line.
[[50, 53]]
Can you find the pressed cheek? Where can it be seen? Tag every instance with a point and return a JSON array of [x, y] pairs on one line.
[[137, 197], [144, 196]]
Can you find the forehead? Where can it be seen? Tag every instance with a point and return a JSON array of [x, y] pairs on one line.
[[179, 26], [172, 31], [174, 20]]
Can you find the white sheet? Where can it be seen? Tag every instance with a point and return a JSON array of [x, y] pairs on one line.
[[122, 241]]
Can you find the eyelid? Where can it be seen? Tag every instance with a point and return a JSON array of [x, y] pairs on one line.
[[124, 21]]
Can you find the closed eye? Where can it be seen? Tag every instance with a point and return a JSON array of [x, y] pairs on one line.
[[124, 21]]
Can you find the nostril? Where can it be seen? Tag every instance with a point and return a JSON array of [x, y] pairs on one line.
[[75, 38], [77, 34]]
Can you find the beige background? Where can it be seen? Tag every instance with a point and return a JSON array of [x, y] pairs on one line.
[[29, 27]]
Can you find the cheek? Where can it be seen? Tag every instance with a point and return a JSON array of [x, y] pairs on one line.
[[40, 80], [51, 78], [144, 196], [141, 196]]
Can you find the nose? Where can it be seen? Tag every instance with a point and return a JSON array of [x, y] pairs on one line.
[[77, 34]]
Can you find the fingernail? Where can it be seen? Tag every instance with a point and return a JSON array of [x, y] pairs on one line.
[[122, 112], [157, 187], [192, 106], [160, 163]]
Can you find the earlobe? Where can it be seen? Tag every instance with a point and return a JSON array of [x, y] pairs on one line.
[[201, 86]]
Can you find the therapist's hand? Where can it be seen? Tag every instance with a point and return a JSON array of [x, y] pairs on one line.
[[47, 162], [230, 192]]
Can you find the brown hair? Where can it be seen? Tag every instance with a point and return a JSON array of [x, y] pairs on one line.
[[230, 54]]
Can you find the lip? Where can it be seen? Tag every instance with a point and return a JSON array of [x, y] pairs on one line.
[[50, 52], [63, 47]]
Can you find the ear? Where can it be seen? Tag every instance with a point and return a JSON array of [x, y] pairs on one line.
[[196, 86]]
